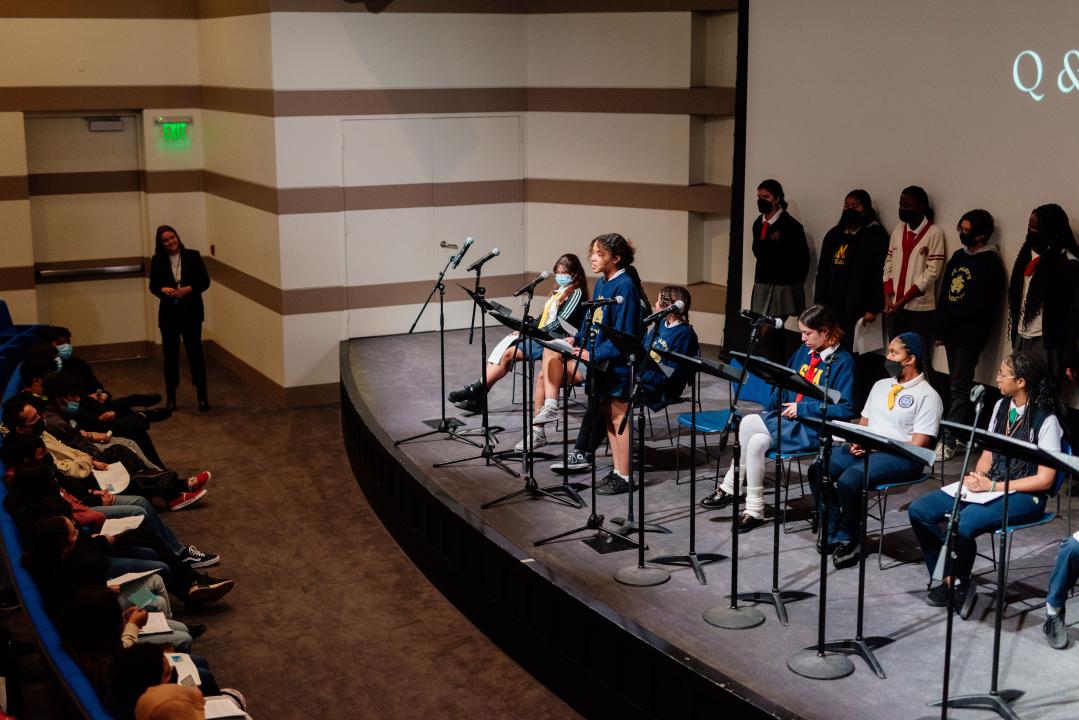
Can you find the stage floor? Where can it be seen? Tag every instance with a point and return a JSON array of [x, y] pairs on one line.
[[398, 379]]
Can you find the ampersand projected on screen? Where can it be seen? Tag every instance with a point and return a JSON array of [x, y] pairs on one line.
[[1028, 73]]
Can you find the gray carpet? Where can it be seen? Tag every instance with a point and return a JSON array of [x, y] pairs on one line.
[[894, 599], [329, 619]]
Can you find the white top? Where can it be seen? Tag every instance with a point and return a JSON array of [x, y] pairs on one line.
[[1048, 436], [917, 409], [775, 217], [174, 261]]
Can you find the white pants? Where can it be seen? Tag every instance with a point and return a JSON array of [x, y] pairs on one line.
[[756, 441]]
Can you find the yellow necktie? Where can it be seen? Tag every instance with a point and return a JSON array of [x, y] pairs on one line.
[[892, 393]]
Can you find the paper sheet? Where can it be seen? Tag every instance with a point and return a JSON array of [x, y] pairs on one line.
[[220, 706], [115, 479], [115, 526], [569, 329], [129, 577], [978, 498], [868, 337], [155, 624], [185, 668], [141, 598], [498, 350]]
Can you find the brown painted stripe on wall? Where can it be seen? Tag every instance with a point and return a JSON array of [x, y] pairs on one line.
[[664, 101], [105, 97], [408, 293], [302, 301], [289, 103], [244, 192], [106, 9], [692, 198], [295, 201], [14, 187], [706, 297], [241, 283], [16, 278], [172, 181], [73, 183], [248, 101]]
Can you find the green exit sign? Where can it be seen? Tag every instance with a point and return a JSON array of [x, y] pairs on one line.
[[174, 132]]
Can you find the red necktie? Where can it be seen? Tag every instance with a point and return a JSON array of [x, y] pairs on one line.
[[764, 229], [1031, 266], [814, 361]]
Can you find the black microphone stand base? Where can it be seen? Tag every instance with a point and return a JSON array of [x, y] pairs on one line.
[[440, 426], [863, 647], [486, 454], [630, 527], [639, 576], [742, 617], [778, 599], [533, 492], [815, 665], [1000, 703], [568, 491], [693, 560], [594, 522]]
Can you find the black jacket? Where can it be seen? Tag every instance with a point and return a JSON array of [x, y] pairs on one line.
[[848, 280], [969, 303], [188, 309], [783, 256]]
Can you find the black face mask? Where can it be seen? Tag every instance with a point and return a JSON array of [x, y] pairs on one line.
[[764, 206], [39, 426], [850, 218], [967, 239], [909, 216], [893, 367], [1037, 243]]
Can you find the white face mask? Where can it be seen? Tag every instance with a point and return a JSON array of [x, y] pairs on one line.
[[563, 279]]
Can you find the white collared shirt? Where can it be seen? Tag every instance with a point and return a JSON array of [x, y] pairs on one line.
[[917, 409]]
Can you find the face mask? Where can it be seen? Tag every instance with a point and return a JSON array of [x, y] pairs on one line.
[[850, 217], [908, 216], [764, 206], [893, 367], [1037, 243], [72, 407], [563, 279], [65, 351], [39, 426], [967, 239]]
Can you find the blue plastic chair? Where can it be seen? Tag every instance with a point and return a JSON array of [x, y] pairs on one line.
[[882, 509]]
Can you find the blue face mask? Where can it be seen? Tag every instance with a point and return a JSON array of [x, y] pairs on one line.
[[65, 351], [563, 279], [72, 407]]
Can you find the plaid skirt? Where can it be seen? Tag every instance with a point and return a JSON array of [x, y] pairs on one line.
[[778, 300]]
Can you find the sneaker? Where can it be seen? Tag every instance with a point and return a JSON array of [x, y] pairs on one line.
[[748, 522], [193, 557], [616, 485], [1056, 630], [195, 482], [184, 499], [466, 393], [547, 413], [938, 596], [236, 696], [157, 414], [539, 439], [575, 462], [470, 405], [208, 589], [718, 499], [938, 452], [846, 555], [826, 548], [196, 630], [966, 597]]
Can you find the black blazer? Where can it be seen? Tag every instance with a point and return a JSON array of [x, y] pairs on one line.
[[188, 309], [783, 257]]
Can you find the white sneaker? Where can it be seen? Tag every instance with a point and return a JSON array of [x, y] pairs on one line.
[[547, 413], [539, 439], [938, 452]]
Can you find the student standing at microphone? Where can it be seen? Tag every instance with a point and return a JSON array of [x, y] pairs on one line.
[[779, 244]]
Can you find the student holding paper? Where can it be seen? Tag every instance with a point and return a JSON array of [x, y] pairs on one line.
[[967, 313], [903, 407], [1029, 410], [562, 304], [674, 334]]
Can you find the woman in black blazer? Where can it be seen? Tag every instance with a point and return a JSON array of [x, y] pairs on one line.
[[178, 278]]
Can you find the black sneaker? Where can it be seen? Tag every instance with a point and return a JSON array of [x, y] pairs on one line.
[[966, 597], [938, 596], [616, 485], [196, 558], [748, 522], [471, 405], [208, 589], [576, 461], [463, 394], [826, 548], [846, 555], [1056, 630], [157, 414], [718, 499]]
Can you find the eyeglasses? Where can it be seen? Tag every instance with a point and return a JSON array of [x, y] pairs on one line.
[[1001, 376]]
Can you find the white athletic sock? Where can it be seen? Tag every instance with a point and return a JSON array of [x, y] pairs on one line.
[[550, 402], [1050, 610]]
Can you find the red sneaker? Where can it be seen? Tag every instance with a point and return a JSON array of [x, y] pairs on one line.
[[185, 499], [195, 482]]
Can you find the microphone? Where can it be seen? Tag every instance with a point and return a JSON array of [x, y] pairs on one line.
[[759, 319], [532, 285], [977, 394], [678, 306], [616, 300], [461, 253], [495, 252]]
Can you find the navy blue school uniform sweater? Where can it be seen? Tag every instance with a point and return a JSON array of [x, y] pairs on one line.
[[625, 317], [680, 338], [797, 436]]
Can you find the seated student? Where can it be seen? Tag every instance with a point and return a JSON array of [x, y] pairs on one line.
[[904, 407], [562, 304], [1065, 573], [1029, 410], [821, 348], [674, 334], [22, 415], [139, 667]]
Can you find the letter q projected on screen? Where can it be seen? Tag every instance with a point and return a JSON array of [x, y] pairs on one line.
[[1028, 72]]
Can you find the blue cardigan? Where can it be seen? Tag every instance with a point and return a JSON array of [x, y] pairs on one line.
[[680, 338], [797, 436], [625, 317]]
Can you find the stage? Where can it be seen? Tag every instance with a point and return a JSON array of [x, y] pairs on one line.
[[607, 647]]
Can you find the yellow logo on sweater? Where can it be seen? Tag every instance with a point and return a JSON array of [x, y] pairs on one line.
[[840, 257], [813, 375], [957, 288]]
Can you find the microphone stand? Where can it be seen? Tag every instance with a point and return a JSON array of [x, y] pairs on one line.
[[735, 617], [817, 663], [487, 449], [441, 425]]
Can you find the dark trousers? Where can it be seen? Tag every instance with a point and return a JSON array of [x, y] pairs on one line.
[[961, 364], [191, 334], [1065, 573], [593, 429]]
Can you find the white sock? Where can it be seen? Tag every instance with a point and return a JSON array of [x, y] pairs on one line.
[[550, 402], [1050, 610], [624, 477]]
